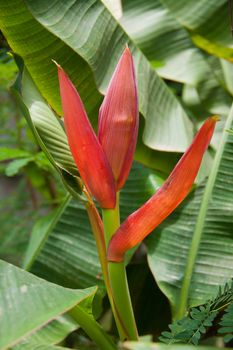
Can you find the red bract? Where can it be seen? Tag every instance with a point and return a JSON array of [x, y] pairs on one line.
[[85, 147], [139, 224], [104, 164], [118, 119]]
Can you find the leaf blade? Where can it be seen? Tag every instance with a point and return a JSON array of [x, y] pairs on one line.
[[30, 292]]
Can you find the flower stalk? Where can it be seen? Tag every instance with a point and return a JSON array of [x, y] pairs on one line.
[[98, 231], [117, 276]]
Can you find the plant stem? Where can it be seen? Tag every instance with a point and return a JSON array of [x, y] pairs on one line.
[[92, 329], [121, 297], [117, 276], [98, 231], [111, 220]]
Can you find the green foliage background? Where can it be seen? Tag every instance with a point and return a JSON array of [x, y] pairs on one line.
[[183, 55]]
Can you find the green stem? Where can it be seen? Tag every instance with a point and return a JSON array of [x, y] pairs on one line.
[[200, 223], [92, 329], [111, 219], [121, 297], [117, 275], [98, 231]]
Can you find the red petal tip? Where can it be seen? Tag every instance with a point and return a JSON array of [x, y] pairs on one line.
[[119, 118]]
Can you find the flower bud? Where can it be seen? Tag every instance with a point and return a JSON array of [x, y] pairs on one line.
[[119, 118], [87, 152], [139, 224]]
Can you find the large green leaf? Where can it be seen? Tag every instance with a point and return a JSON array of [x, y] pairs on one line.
[[169, 47], [192, 252], [69, 256], [53, 333], [115, 7], [203, 17], [93, 42], [164, 41], [162, 161], [28, 302], [213, 91], [40, 233], [204, 21]]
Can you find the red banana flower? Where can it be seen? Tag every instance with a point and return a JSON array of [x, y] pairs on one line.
[[119, 118], [139, 224], [104, 163]]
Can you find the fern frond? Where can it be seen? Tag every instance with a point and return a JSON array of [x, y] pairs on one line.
[[223, 298], [226, 324], [191, 328]]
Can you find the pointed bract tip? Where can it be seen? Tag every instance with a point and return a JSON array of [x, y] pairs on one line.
[[119, 118], [127, 51], [58, 65], [127, 48], [216, 118]]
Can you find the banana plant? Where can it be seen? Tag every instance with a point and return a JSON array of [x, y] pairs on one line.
[[65, 70]]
